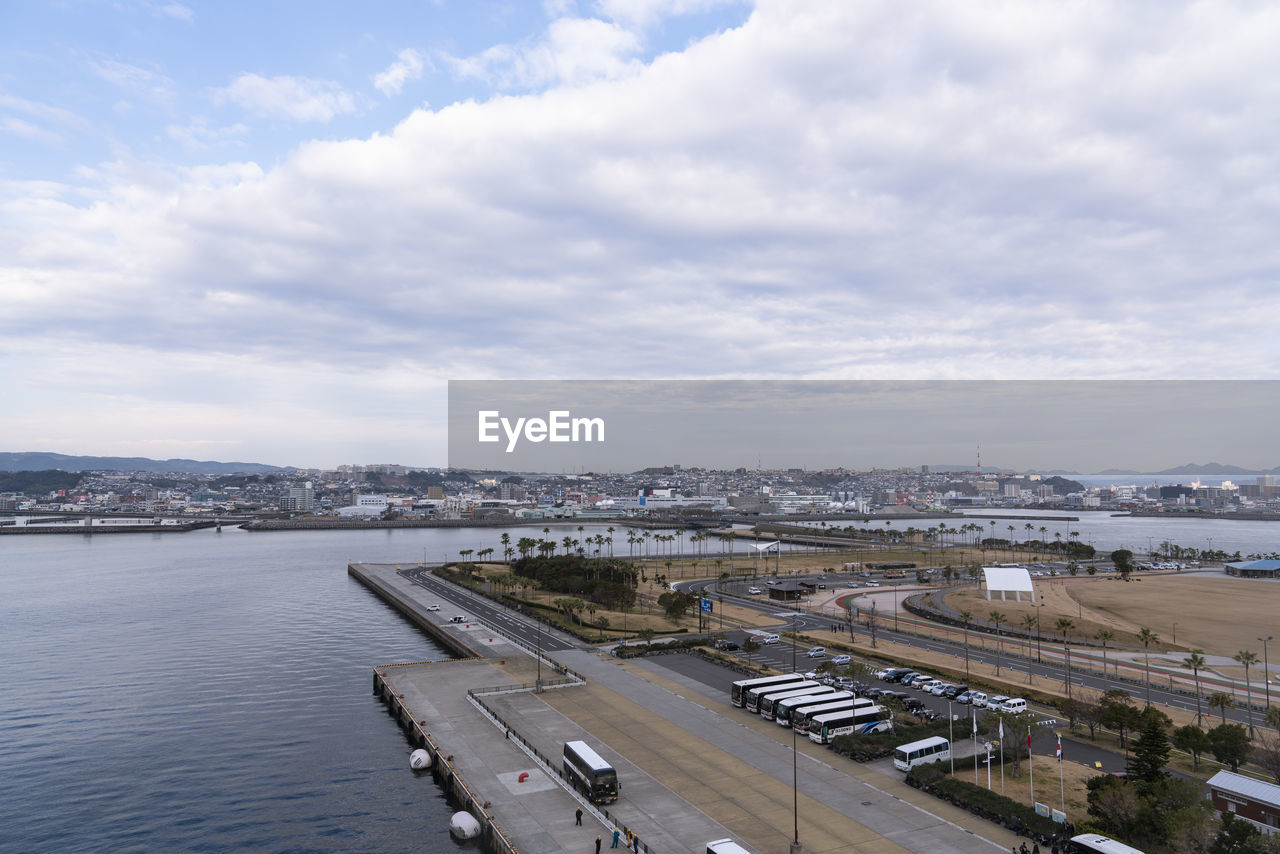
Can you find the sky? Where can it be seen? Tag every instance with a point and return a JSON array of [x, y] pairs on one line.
[[273, 232]]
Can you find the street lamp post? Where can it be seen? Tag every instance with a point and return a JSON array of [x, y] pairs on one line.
[[1266, 673], [795, 766]]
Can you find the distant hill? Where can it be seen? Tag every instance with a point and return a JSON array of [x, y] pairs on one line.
[[1118, 472], [1211, 468], [42, 461]]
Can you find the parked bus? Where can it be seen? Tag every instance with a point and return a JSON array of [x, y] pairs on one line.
[[738, 691], [589, 773], [756, 695], [769, 705], [800, 721], [1092, 843], [783, 710], [922, 752], [863, 721]]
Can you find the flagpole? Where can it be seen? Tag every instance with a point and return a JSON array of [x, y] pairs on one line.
[[974, 718], [1002, 756], [1062, 786], [1031, 765]]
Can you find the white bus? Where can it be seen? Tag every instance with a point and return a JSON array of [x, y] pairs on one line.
[[1092, 843], [801, 720], [755, 696], [865, 721], [922, 752], [784, 709], [738, 691], [769, 704]]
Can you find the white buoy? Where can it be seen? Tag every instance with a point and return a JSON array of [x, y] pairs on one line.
[[420, 760], [464, 825]]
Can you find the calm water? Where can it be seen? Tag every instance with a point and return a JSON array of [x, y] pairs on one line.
[[205, 692]]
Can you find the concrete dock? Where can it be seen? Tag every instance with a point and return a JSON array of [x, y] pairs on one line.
[[692, 767]]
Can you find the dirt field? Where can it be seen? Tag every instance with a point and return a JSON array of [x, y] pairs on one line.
[[1220, 615]]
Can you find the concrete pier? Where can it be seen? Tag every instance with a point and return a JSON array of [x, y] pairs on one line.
[[691, 767]]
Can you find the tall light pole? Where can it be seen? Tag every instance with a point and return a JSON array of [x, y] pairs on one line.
[[795, 765], [1266, 673]]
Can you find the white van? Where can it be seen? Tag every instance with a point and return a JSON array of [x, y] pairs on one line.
[[1016, 706], [978, 700], [770, 639], [725, 846], [928, 684]]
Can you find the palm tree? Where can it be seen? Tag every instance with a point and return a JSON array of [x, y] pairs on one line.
[[506, 546], [1247, 658], [996, 619], [1029, 622], [1105, 635], [1221, 701], [1194, 662], [1148, 637], [967, 616], [1064, 625]]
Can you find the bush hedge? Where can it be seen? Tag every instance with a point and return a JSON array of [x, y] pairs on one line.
[[978, 800]]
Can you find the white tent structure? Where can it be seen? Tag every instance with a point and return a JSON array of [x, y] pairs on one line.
[[1008, 579]]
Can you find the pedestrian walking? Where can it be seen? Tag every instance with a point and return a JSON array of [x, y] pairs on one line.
[[635, 844], [616, 834], [597, 843], [578, 817]]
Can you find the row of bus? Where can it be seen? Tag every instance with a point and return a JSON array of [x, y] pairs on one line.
[[812, 709]]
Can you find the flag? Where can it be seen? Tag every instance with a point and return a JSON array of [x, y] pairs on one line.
[[1002, 730], [1059, 753], [975, 725], [1028, 739]]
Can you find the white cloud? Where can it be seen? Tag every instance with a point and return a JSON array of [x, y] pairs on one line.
[[133, 78], [575, 51], [176, 11], [408, 66], [642, 14], [298, 98], [830, 190]]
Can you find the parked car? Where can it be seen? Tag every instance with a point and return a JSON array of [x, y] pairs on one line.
[[817, 652], [995, 701], [731, 647], [458, 619], [754, 591], [1015, 705], [964, 697], [770, 638], [842, 659], [873, 693], [433, 607], [954, 691], [940, 688], [978, 699]]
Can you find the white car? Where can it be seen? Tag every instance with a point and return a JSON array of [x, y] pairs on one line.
[[458, 619], [817, 652], [754, 591], [433, 607], [842, 659]]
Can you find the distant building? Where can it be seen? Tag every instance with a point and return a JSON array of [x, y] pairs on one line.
[[365, 505], [1246, 798], [300, 498], [1254, 569]]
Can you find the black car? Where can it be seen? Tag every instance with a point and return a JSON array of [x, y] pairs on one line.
[[731, 647], [953, 691], [874, 693]]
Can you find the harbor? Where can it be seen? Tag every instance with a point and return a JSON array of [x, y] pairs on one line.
[[691, 768]]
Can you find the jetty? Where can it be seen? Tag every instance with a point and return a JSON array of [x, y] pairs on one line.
[[691, 767]]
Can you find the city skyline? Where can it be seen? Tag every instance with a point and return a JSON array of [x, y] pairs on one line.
[[246, 233]]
